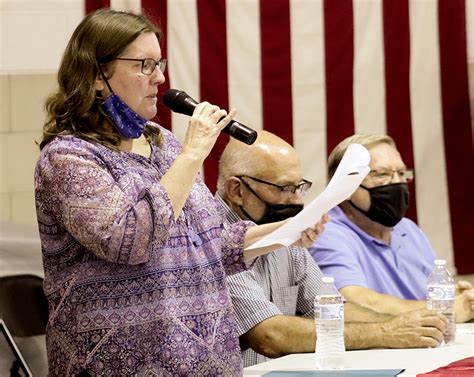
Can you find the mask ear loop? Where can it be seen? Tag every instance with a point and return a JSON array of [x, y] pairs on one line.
[[242, 207], [104, 78], [251, 190], [356, 207]]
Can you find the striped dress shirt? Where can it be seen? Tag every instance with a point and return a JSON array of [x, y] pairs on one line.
[[285, 282]]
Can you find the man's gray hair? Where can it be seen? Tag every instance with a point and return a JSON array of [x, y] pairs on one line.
[[235, 160], [366, 140]]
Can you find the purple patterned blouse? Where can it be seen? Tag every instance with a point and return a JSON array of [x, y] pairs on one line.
[[133, 291]]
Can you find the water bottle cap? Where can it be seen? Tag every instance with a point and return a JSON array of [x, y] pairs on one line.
[[328, 279], [440, 262]]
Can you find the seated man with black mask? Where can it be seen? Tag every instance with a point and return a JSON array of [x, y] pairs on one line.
[[379, 258], [273, 300]]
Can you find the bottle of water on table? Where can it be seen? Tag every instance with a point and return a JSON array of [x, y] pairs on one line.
[[329, 321], [440, 297]]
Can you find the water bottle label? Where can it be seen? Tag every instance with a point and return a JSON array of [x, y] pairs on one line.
[[441, 292], [329, 312]]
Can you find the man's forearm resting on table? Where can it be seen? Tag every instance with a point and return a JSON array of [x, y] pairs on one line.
[[281, 335], [380, 302]]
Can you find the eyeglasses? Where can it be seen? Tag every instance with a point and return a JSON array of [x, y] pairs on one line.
[[301, 188], [148, 64], [384, 176]]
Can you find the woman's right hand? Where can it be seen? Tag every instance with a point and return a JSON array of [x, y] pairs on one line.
[[204, 128], [201, 135]]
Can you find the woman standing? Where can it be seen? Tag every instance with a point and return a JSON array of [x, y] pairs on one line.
[[135, 250]]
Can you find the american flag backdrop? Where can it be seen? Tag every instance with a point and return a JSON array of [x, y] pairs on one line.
[[316, 71]]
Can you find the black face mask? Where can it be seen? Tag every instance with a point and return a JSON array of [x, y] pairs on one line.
[[273, 212], [388, 203]]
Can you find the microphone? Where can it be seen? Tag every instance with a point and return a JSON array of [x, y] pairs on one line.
[[180, 102]]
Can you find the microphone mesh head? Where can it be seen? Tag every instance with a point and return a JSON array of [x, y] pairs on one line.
[[179, 101], [170, 97]]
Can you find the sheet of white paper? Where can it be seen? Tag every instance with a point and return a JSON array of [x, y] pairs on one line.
[[351, 171]]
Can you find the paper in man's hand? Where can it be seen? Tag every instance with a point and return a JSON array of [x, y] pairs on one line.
[[351, 171]]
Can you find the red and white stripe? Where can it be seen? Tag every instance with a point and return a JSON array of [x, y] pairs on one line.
[[316, 71]]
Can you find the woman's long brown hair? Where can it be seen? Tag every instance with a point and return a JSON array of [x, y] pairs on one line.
[[75, 108]]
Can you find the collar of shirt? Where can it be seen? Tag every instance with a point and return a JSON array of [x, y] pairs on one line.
[[398, 233], [229, 213]]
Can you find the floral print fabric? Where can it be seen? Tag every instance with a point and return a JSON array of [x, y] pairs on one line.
[[133, 291]]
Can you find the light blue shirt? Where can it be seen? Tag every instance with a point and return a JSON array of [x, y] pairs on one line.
[[354, 257]]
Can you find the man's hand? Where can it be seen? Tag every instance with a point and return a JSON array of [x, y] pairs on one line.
[[415, 329], [461, 286], [464, 305], [310, 235]]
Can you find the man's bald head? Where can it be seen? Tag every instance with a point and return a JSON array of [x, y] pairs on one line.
[[269, 157], [252, 178]]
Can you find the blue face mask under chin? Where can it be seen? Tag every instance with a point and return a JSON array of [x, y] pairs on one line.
[[127, 122]]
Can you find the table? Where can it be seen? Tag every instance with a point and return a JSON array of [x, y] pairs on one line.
[[414, 361]]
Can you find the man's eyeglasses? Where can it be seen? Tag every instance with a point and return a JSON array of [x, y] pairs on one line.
[[301, 188], [385, 176], [148, 64]]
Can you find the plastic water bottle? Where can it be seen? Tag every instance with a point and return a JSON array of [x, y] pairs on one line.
[[329, 321], [440, 297]]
